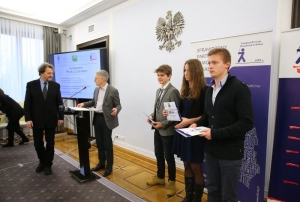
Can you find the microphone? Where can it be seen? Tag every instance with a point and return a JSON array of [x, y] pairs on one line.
[[77, 92], [73, 96]]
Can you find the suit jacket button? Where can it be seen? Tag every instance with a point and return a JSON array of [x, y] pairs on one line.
[[212, 126]]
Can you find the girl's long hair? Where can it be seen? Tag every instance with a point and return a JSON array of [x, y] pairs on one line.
[[196, 76]]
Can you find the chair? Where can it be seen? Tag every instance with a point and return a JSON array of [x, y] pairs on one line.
[[22, 120], [3, 124]]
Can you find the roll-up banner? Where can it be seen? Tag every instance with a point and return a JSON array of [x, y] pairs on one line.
[[250, 63], [285, 171]]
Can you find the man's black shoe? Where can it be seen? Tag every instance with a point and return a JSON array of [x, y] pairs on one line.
[[8, 145], [40, 168], [47, 170], [23, 141], [107, 172], [98, 167]]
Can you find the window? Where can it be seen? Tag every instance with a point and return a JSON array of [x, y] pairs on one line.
[[21, 52]]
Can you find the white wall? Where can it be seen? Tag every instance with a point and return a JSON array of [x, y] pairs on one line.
[[286, 14]]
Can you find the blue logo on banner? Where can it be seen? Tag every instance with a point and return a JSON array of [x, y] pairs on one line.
[[241, 53], [298, 60]]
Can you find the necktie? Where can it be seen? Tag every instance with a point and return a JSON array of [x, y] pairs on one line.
[[45, 90], [158, 98]]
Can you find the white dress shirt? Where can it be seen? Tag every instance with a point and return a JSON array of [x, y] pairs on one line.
[[101, 98]]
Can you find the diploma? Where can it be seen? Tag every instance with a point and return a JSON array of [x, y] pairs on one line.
[[190, 132], [173, 113]]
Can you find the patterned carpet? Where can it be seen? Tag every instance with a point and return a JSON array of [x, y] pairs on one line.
[[19, 181]]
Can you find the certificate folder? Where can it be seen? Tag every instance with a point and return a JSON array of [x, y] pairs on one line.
[[190, 132], [173, 113]]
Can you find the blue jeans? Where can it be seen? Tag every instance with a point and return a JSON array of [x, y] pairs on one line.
[[222, 179], [163, 151]]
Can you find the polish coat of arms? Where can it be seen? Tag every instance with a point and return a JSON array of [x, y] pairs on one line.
[[168, 31]]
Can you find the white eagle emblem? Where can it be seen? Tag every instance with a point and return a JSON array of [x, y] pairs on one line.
[[169, 31]]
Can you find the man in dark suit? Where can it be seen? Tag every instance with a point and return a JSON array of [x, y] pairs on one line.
[[228, 116], [13, 112], [43, 108], [164, 130], [107, 103]]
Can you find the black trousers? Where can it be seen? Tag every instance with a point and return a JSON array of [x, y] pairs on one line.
[[163, 151], [222, 178], [45, 154], [104, 141], [14, 127]]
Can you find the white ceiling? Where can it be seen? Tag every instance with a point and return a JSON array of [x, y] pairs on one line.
[[63, 13]]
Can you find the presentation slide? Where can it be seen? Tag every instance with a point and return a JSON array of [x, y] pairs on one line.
[[75, 71]]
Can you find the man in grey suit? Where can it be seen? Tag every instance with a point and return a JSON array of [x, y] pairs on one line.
[[107, 103], [164, 130]]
